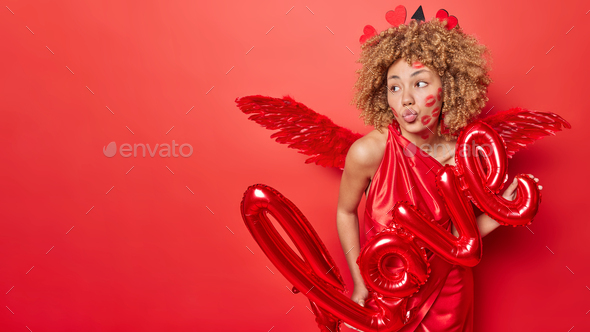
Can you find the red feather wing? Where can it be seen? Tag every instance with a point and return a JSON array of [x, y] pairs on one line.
[[520, 127], [301, 128]]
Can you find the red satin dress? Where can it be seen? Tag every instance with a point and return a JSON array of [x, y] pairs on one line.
[[445, 301]]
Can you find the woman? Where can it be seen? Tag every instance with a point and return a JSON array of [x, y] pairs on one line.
[[413, 78]]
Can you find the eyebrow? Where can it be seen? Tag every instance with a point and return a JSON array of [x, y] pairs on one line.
[[413, 74]]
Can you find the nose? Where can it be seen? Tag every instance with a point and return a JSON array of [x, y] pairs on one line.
[[407, 98]]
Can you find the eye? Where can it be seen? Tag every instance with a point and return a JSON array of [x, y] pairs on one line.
[[393, 88], [422, 82]]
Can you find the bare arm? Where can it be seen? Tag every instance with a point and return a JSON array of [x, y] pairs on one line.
[[361, 162]]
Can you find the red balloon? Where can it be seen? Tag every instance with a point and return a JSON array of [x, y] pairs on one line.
[[478, 175], [316, 276], [373, 263], [464, 250], [411, 226], [482, 185]]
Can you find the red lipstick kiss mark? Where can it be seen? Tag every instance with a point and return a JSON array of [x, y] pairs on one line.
[[439, 95], [425, 136], [417, 65], [394, 112], [430, 100], [435, 112], [425, 120]]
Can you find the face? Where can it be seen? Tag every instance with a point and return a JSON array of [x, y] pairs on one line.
[[415, 97]]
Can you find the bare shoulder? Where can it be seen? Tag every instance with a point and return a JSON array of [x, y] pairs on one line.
[[367, 152]]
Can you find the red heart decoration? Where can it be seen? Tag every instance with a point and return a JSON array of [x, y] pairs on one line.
[[442, 14], [397, 16], [452, 21], [368, 32]]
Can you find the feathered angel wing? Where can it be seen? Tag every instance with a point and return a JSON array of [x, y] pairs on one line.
[[520, 127], [311, 133]]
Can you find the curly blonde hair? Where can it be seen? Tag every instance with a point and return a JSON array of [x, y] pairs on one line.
[[458, 58]]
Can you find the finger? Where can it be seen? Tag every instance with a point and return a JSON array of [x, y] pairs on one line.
[[531, 176], [536, 180], [513, 185], [540, 187]]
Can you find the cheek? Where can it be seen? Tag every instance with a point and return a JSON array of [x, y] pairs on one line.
[[439, 94], [435, 112], [426, 120], [430, 100], [394, 112], [417, 65]]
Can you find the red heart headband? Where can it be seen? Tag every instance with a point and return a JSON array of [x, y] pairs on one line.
[[398, 16]]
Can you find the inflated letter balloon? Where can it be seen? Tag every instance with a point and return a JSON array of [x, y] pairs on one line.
[[482, 186], [316, 276], [464, 250], [411, 230]]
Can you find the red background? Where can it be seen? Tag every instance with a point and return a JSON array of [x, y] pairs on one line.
[[150, 255]]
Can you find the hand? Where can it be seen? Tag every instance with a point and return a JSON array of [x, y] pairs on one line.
[[510, 192], [359, 295]]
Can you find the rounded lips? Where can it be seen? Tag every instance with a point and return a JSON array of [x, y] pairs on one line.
[[409, 114]]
